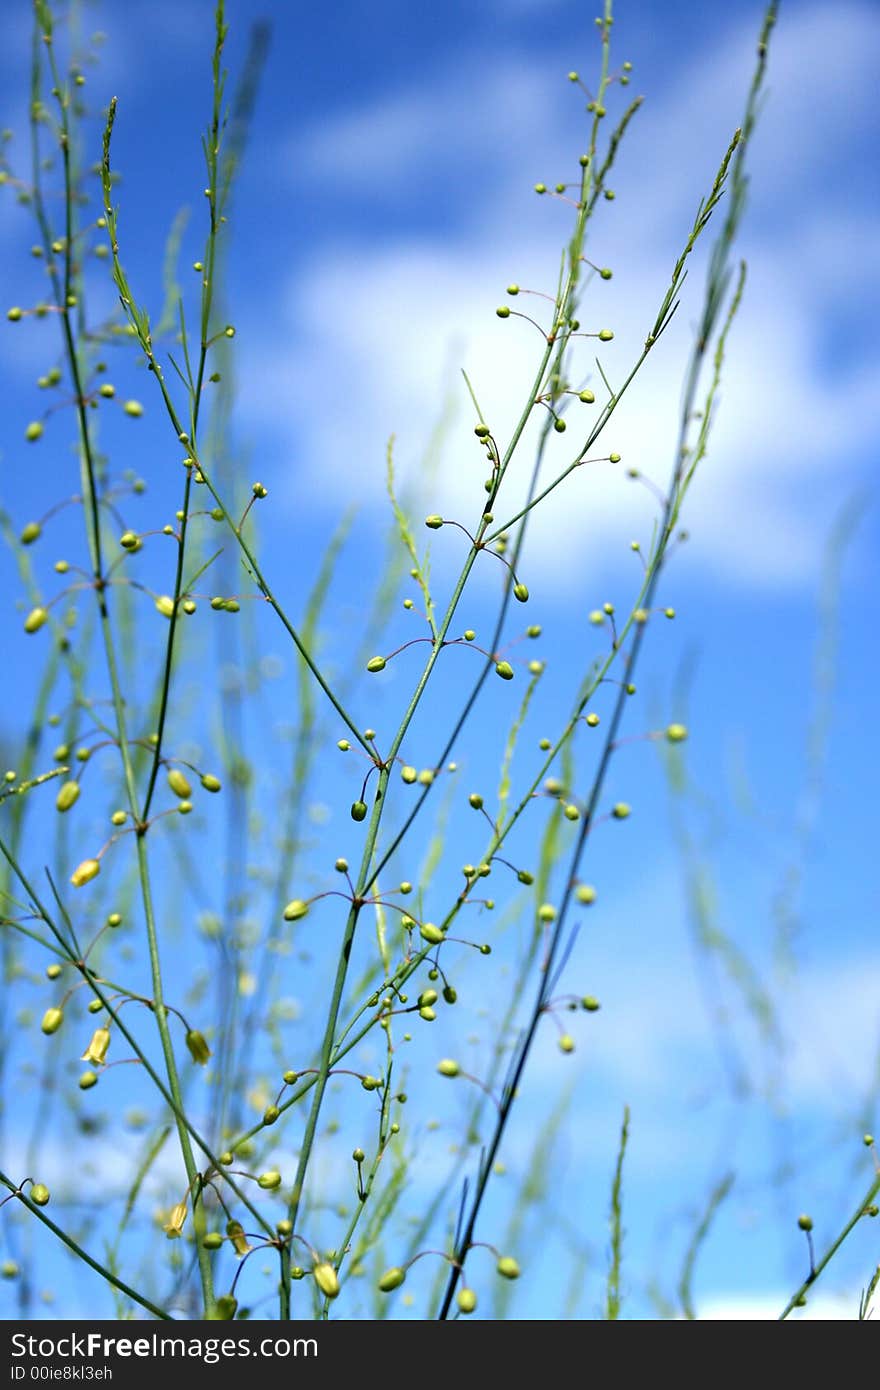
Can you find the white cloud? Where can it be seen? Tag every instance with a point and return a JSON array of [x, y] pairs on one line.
[[367, 327]]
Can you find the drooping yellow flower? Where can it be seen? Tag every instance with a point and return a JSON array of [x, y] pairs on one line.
[[97, 1048], [173, 1227]]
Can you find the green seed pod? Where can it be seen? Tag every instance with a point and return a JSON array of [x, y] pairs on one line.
[[433, 522], [95, 1006], [213, 1240], [88, 1080], [449, 994], [232, 605], [210, 782], [621, 810], [270, 1114], [52, 1020], [31, 533], [590, 1003], [179, 783], [676, 733], [295, 910], [165, 605], [805, 1222], [198, 1046], [39, 1193], [392, 1279], [503, 311], [433, 935], [68, 794], [325, 1277], [37, 618], [447, 1067], [585, 893], [225, 1308], [521, 593], [269, 1180], [507, 1267], [85, 872], [466, 1300], [359, 810], [376, 663], [504, 670], [134, 409], [34, 431], [218, 603], [566, 1043]]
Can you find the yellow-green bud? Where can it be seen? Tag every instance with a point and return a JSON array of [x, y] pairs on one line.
[[571, 812], [179, 783], [9, 1270], [525, 877], [39, 1193], [433, 522], [52, 1020], [107, 390], [621, 810], [37, 618], [676, 733], [325, 1277], [376, 663], [359, 810], [427, 1013], [68, 794], [585, 893], [290, 1078], [546, 913], [447, 1067], [53, 971], [88, 1080], [128, 540], [392, 1279], [213, 1240], [521, 593], [198, 1046], [225, 1308], [507, 1267], [284, 1227], [593, 720], [31, 533], [566, 1043], [431, 934], [559, 426], [466, 1300], [119, 818], [270, 1114], [85, 872], [295, 910], [587, 397], [211, 783], [805, 1222], [15, 315], [590, 1003], [503, 311], [165, 605], [34, 431], [134, 409], [269, 1180], [504, 670]]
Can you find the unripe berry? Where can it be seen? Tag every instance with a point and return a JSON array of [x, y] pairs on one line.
[[408, 774], [605, 335], [165, 605], [476, 801], [88, 1080], [213, 1240], [592, 720], [546, 913], [805, 1222], [585, 893], [587, 397], [270, 1114], [559, 426], [525, 877], [34, 431], [503, 311], [359, 810], [134, 409]]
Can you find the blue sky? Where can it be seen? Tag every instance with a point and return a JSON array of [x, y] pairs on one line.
[[385, 202]]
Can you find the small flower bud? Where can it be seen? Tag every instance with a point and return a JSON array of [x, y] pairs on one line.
[[587, 397], [325, 1277], [88, 1080], [269, 1180], [31, 533], [34, 431], [593, 720], [614, 458], [466, 1300], [585, 893], [165, 605], [211, 783], [590, 1003], [295, 910], [621, 810], [447, 1067], [427, 1013], [359, 810], [213, 1240], [540, 188], [358, 1155], [39, 1194], [179, 783], [503, 311], [37, 618], [476, 801], [270, 1114], [85, 872], [198, 1046], [504, 670], [521, 593], [559, 426], [676, 733], [571, 812], [53, 971], [433, 935], [605, 335], [376, 663], [134, 409], [392, 1279], [68, 794], [805, 1222], [507, 1267], [52, 1020], [566, 1043], [433, 522], [525, 877], [128, 540]]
